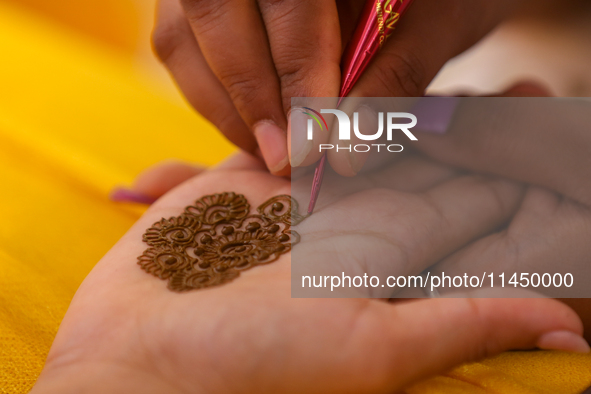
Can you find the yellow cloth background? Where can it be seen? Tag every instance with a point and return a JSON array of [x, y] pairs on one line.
[[78, 118]]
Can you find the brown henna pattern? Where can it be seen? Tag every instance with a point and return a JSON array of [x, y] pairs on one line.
[[216, 238]]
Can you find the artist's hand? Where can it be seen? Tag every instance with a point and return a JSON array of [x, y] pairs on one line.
[[239, 62], [125, 332]]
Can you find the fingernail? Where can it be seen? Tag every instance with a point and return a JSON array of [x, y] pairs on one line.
[[273, 144], [122, 194], [563, 340], [299, 145], [367, 125], [435, 114]]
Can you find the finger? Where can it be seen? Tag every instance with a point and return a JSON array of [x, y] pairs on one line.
[[163, 177], [461, 330], [516, 137], [349, 12], [582, 306], [304, 37], [233, 40], [177, 48], [348, 162], [431, 33]]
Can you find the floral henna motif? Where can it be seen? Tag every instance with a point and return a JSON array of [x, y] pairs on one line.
[[176, 230], [225, 207], [163, 262], [216, 238]]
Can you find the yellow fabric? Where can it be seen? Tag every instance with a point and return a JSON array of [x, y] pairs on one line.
[[536, 372], [76, 120], [112, 21]]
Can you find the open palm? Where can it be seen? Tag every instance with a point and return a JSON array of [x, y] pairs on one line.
[[125, 332]]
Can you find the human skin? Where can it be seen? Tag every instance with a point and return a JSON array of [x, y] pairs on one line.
[[125, 332], [239, 62], [550, 230]]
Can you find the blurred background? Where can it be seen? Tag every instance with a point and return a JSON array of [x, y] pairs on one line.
[[85, 107]]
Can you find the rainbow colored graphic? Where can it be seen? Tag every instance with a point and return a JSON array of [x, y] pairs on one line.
[[316, 115]]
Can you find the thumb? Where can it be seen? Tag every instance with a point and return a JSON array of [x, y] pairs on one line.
[[427, 337]]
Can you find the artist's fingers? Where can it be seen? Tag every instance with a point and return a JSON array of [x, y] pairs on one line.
[[347, 158], [233, 40], [177, 47], [305, 42], [430, 33], [437, 335], [432, 112], [539, 141]]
